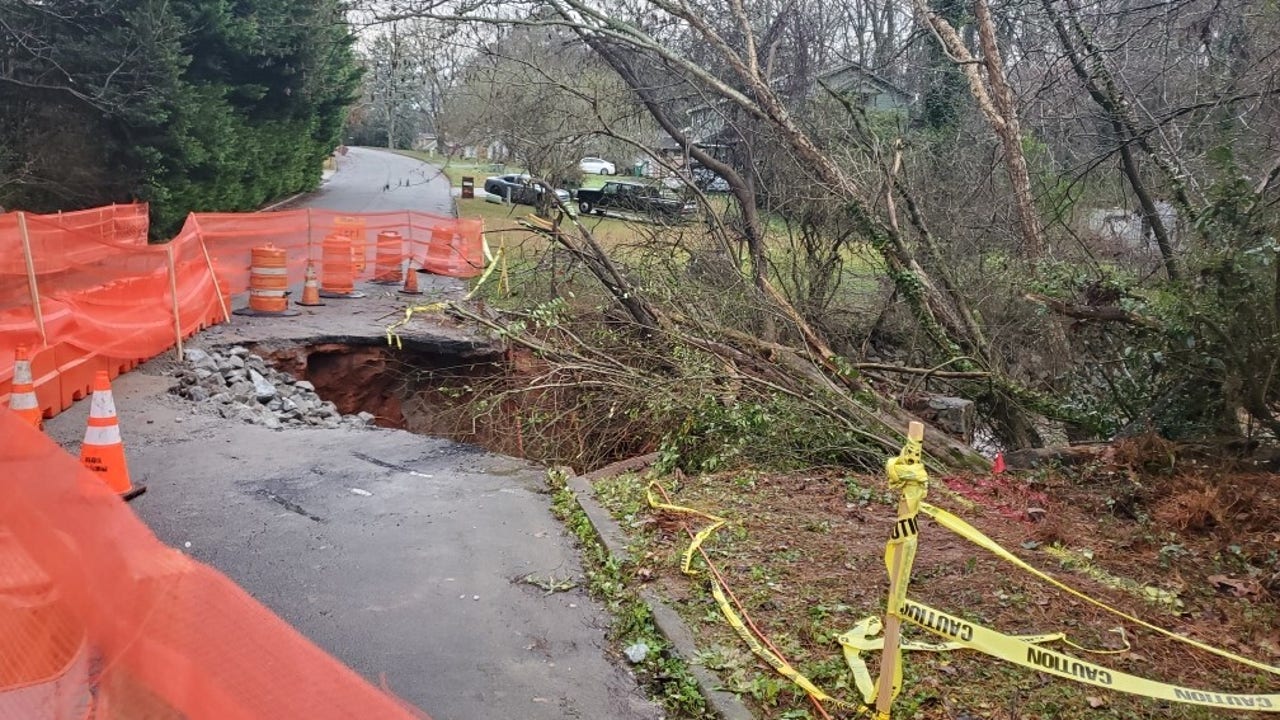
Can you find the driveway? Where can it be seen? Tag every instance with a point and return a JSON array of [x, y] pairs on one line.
[[371, 180]]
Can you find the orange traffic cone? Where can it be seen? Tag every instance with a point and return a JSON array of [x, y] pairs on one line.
[[22, 398], [998, 466], [410, 281], [103, 451], [310, 288]]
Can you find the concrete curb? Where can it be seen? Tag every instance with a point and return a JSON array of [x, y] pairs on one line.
[[724, 704], [283, 202], [325, 176]]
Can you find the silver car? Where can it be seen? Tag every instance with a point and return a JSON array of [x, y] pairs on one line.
[[597, 166]]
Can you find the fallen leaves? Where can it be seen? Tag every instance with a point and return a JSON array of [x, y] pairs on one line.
[[1239, 587]]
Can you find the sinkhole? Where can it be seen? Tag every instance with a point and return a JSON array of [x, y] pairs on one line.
[[482, 394]]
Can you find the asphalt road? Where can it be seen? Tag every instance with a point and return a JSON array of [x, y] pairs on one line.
[[371, 180], [406, 557]]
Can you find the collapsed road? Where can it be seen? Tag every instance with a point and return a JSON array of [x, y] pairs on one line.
[[420, 562]]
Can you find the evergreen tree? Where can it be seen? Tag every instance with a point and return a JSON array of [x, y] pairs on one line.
[[187, 104]]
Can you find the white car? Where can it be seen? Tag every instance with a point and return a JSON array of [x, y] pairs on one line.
[[596, 166]]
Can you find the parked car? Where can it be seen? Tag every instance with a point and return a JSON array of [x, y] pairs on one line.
[[519, 189], [656, 202], [708, 180], [597, 166]]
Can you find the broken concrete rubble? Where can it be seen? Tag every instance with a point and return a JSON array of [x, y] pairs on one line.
[[236, 384]]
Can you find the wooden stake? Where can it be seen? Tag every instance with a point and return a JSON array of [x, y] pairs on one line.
[[892, 622], [213, 275], [31, 277], [915, 430], [173, 291]]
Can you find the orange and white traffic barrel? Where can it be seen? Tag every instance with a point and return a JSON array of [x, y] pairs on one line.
[[354, 228], [337, 270], [456, 249], [268, 283], [389, 255]]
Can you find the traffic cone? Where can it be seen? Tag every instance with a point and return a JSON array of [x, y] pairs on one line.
[[103, 451], [998, 467], [410, 281], [310, 288], [22, 397]]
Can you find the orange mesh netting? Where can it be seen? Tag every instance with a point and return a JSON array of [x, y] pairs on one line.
[[84, 291], [230, 237], [100, 620]]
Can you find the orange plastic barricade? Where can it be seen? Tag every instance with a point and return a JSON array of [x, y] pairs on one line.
[[456, 252], [354, 228], [337, 273], [388, 257], [86, 291], [268, 283], [45, 666], [101, 620]]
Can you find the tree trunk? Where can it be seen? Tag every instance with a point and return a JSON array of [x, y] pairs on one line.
[[1097, 80], [1010, 132], [1000, 109]]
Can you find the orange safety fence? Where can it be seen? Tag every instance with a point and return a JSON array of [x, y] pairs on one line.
[[101, 621], [230, 238], [84, 291]]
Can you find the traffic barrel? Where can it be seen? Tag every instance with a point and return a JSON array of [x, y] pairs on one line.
[[337, 271], [389, 253], [268, 283]]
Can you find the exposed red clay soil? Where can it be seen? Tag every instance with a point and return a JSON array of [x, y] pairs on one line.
[[355, 378]]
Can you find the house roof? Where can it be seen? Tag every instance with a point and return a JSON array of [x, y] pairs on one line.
[[849, 77], [853, 76]]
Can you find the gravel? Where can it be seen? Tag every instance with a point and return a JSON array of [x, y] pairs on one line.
[[238, 385]]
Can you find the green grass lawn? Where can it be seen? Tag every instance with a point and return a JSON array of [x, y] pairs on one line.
[[456, 169], [500, 222]]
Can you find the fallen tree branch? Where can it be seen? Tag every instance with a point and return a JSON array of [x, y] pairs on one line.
[[1109, 313], [927, 372]]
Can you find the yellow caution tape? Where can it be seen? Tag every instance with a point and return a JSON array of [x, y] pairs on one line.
[[1084, 566], [862, 638], [487, 271], [686, 561], [973, 535], [1023, 650], [907, 473], [393, 338], [504, 281], [1028, 654], [782, 667]]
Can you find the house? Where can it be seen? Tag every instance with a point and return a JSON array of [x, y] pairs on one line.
[[852, 81], [865, 88], [427, 142]]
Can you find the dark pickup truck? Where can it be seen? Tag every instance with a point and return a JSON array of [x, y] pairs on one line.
[[657, 203]]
